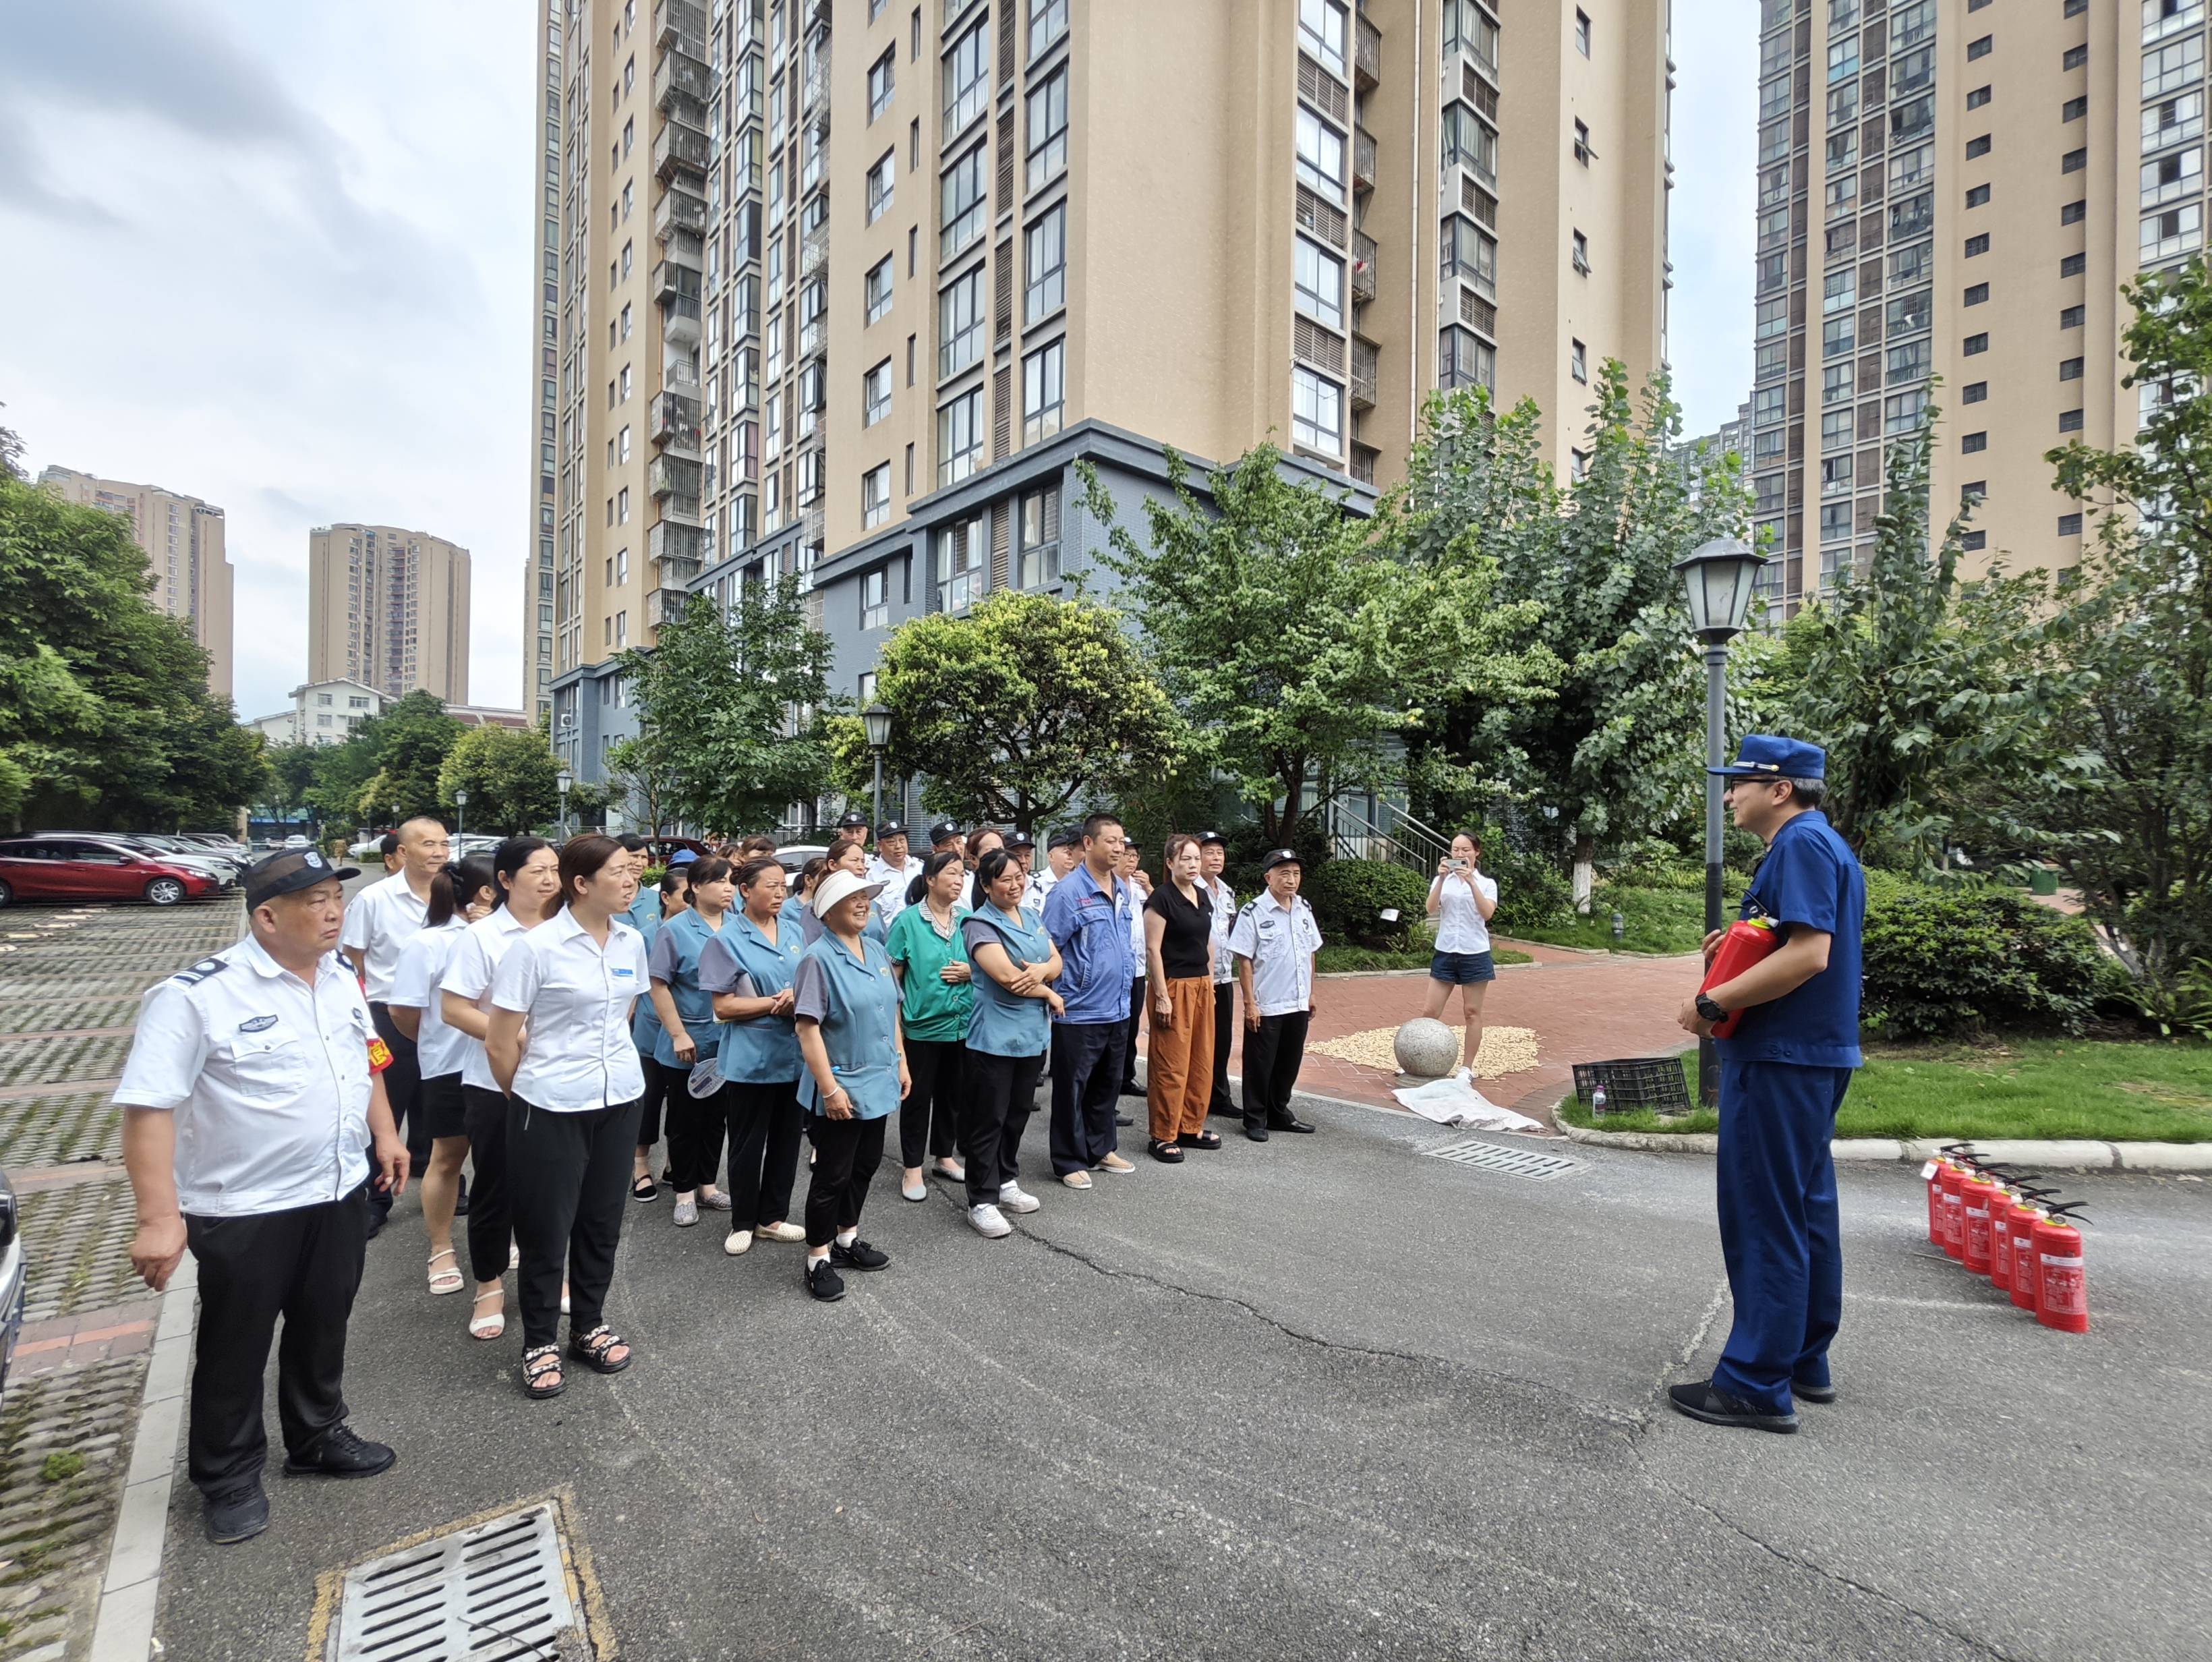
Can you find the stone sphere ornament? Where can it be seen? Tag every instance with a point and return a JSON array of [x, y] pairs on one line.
[[1426, 1049]]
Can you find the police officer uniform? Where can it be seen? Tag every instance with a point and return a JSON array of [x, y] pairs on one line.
[[848, 823], [895, 879], [1784, 1073], [267, 1077], [1042, 880], [1224, 980], [1281, 943], [379, 922]]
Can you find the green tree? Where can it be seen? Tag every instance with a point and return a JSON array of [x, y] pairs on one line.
[[409, 742], [2133, 825], [1013, 710], [735, 706], [638, 773], [291, 777], [510, 775]]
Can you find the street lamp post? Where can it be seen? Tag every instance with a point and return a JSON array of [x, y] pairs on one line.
[[561, 782], [877, 721], [1721, 576], [460, 815]]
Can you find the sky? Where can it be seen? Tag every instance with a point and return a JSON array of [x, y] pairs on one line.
[[278, 257]]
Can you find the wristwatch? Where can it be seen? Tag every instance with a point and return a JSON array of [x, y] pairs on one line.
[[1710, 1010]]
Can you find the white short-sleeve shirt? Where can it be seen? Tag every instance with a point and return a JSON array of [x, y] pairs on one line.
[[1459, 926], [577, 994], [892, 900], [483, 945], [439, 1050], [378, 922], [1281, 943], [1224, 919], [267, 1077]]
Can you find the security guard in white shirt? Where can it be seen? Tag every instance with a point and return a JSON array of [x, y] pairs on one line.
[[380, 921], [891, 865], [1213, 861], [1274, 941], [252, 1121]]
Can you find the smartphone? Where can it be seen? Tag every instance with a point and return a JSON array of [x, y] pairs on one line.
[[1459, 865]]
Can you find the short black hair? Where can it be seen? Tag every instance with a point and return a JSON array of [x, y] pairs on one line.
[[388, 844], [633, 843], [1098, 822]]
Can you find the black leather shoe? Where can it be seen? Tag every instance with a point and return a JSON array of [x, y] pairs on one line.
[[1704, 1401], [377, 1215], [1257, 1133], [858, 1255], [822, 1282], [238, 1515], [340, 1452], [1811, 1393], [1123, 1119], [1288, 1122]]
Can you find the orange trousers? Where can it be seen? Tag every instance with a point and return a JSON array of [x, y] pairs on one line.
[[1179, 1058]]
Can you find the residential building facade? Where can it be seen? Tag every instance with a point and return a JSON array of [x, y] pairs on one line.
[[183, 539], [1951, 194], [389, 608], [327, 712]]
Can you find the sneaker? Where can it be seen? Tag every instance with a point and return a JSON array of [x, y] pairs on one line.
[[1013, 1197], [858, 1255], [780, 1232], [1708, 1402], [823, 1280], [990, 1222], [737, 1243], [717, 1201], [1114, 1163], [1076, 1179], [239, 1514], [1811, 1393], [687, 1213], [340, 1452]]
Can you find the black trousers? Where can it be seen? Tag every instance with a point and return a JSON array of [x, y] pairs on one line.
[[928, 1118], [765, 1123], [1129, 1037], [1272, 1057], [846, 1154], [1224, 1035], [694, 1131], [568, 1187], [1086, 1077], [655, 1098], [402, 1089], [303, 1265], [491, 1232], [1000, 1096]]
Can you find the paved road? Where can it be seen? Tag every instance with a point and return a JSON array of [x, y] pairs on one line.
[[1320, 1400]]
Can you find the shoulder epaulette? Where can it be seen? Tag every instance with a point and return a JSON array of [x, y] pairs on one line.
[[193, 974]]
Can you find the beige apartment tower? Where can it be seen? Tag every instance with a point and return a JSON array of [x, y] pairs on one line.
[[183, 538], [388, 608], [1955, 189]]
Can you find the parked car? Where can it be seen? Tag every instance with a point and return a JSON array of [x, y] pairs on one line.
[[14, 1276], [62, 867], [216, 843], [793, 856], [226, 861], [296, 841]]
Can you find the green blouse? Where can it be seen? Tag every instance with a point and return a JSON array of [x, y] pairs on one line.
[[931, 1008]]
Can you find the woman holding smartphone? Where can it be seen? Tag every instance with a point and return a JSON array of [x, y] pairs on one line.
[[1462, 900]]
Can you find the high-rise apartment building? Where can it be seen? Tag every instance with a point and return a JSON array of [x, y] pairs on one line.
[[183, 538], [537, 604], [922, 259], [1957, 189], [388, 608]]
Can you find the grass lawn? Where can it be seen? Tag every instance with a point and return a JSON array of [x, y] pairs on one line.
[[2143, 1092], [1346, 960], [1654, 921]]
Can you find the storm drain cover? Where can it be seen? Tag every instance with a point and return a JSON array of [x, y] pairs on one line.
[[1496, 1157], [495, 1592]]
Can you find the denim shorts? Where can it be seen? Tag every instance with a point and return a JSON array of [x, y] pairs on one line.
[[1461, 969]]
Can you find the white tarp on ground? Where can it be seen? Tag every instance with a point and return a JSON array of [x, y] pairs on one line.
[[1454, 1102]]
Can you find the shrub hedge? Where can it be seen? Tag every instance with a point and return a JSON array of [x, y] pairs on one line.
[[1947, 962], [1349, 896]]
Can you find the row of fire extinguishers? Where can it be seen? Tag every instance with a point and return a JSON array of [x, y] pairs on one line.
[[1999, 1223]]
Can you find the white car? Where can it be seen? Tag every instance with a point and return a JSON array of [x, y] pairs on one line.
[[295, 841]]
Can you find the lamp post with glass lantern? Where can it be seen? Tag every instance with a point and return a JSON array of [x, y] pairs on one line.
[[1721, 576], [561, 782], [460, 817], [877, 721]]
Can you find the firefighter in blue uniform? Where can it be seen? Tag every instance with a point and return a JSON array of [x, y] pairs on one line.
[[1784, 1073]]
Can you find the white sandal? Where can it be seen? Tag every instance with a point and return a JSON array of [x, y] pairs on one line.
[[448, 1279], [491, 1326]]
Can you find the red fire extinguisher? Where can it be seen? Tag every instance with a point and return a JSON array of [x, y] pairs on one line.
[[1745, 942], [2015, 1188], [1978, 1194], [2062, 1288], [2026, 1214], [1949, 1181], [1951, 1153]]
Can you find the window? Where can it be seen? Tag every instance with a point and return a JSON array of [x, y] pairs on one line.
[[1973, 443], [1901, 412], [1974, 392], [1768, 404], [1908, 314], [963, 572], [1908, 362], [621, 567], [1773, 317], [1974, 542], [1577, 364], [1842, 103], [1976, 148], [1321, 31], [2172, 121], [1468, 251], [876, 395], [2070, 316], [2170, 69], [1839, 290], [2069, 525], [1583, 152], [1843, 152], [1577, 466], [960, 314], [2074, 57], [1844, 57], [1320, 282], [967, 80], [960, 437], [1977, 197], [881, 177], [2073, 213], [1316, 411], [880, 82], [1976, 293], [1838, 337], [1039, 525], [2070, 421], [965, 191], [1048, 22], [1579, 252], [2177, 231], [1321, 153], [2074, 109], [1044, 289], [1977, 244], [1974, 345], [876, 586], [1836, 384], [875, 497], [1043, 391], [2073, 265], [878, 287], [622, 506], [1843, 197], [1975, 99], [2169, 178], [1583, 33], [1835, 431], [622, 445], [1981, 48], [2073, 160], [1974, 491], [1048, 130]]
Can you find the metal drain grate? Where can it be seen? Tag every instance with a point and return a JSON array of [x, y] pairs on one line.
[[496, 1592], [1496, 1157]]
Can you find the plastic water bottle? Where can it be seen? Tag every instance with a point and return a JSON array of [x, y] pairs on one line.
[[1598, 1099]]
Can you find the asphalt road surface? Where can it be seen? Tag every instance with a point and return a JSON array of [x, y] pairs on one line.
[[1323, 1399]]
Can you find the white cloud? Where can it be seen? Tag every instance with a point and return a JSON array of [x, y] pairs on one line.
[[1710, 234], [278, 257]]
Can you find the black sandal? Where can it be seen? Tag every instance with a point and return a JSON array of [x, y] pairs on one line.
[[1166, 1153], [537, 1361], [1198, 1139], [592, 1348], [643, 1188]]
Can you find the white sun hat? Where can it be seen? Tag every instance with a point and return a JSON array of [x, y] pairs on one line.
[[841, 885]]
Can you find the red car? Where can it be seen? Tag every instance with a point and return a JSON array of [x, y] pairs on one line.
[[90, 868]]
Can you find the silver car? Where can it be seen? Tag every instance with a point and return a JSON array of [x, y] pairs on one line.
[[13, 1277]]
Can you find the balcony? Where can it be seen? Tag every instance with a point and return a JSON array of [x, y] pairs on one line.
[[686, 250], [817, 95], [1366, 56], [669, 542], [679, 319], [681, 24], [676, 147], [678, 210], [673, 281], [673, 422], [1363, 159], [814, 250], [666, 603], [813, 338], [1362, 266], [673, 476], [1364, 357], [680, 75]]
